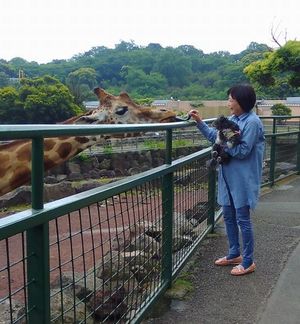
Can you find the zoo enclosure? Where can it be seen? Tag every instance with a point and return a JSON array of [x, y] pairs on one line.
[[107, 255]]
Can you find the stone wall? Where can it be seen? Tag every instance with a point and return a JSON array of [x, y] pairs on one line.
[[80, 174]]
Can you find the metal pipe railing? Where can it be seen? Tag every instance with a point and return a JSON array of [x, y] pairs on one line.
[[35, 222]]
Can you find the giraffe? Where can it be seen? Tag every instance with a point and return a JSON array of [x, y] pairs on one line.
[[15, 156]]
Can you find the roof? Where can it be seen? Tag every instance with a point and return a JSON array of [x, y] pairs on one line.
[[293, 100], [160, 102], [91, 104]]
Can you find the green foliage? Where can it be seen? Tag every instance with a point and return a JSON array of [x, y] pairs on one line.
[[144, 101], [278, 69], [140, 83], [196, 104], [154, 145], [108, 149], [38, 100], [11, 110], [184, 72], [80, 83], [281, 110], [83, 156], [4, 79], [181, 143]]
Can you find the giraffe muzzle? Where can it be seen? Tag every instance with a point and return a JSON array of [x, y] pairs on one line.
[[180, 119]]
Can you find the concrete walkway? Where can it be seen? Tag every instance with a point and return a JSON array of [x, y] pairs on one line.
[[270, 295]]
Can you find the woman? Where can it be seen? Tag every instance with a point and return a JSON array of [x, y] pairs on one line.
[[239, 180]]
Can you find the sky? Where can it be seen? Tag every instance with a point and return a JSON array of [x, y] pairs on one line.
[[44, 30]]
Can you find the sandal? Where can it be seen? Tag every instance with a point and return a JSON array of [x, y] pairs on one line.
[[240, 270], [225, 262]]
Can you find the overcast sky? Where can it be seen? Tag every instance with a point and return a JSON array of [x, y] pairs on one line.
[[43, 30]]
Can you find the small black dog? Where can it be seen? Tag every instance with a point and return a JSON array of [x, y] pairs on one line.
[[228, 135]]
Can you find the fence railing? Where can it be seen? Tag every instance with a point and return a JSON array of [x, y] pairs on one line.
[[106, 255]]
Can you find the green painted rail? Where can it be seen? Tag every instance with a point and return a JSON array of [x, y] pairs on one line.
[[178, 199]]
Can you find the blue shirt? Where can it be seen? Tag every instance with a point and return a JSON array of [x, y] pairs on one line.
[[242, 175]]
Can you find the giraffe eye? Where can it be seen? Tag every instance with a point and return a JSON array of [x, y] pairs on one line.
[[121, 110]]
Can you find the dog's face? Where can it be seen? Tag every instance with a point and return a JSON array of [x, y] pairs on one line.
[[223, 123], [228, 131]]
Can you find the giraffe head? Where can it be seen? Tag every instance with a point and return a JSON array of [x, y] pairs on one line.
[[122, 110], [15, 156]]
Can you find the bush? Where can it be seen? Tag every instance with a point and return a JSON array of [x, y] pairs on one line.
[[281, 110]]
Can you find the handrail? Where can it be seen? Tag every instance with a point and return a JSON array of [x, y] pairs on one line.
[[35, 222]]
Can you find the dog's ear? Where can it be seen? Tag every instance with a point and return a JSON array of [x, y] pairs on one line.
[[233, 126]]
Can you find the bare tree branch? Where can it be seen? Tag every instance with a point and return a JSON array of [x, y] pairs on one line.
[[276, 37]]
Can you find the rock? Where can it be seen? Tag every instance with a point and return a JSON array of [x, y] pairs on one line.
[[61, 177], [75, 176], [82, 286], [63, 311], [50, 179], [151, 229], [198, 213], [284, 167], [94, 174], [134, 170], [108, 305], [17, 312], [73, 167], [109, 267], [107, 173], [16, 197], [105, 164], [144, 243], [87, 186], [58, 190], [180, 242]]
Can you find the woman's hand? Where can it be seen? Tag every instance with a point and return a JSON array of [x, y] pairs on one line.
[[195, 115]]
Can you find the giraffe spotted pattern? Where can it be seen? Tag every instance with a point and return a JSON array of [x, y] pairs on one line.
[[15, 157]]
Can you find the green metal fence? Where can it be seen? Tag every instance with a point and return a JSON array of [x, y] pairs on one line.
[[106, 255]]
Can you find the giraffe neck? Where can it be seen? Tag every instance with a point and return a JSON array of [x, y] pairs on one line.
[[15, 157]]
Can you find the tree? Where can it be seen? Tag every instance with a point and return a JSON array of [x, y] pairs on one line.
[[126, 46], [4, 79], [281, 110], [80, 83], [176, 68], [165, 72], [47, 100], [38, 100], [138, 83], [278, 66], [11, 110]]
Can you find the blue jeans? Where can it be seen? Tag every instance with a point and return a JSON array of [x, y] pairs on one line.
[[235, 219]]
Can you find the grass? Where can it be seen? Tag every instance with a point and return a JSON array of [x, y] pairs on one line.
[[153, 144]]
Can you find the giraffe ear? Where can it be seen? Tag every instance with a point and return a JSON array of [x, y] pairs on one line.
[[125, 96], [101, 94]]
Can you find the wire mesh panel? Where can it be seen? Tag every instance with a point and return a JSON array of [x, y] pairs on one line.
[[13, 282], [190, 207], [266, 161], [106, 258], [286, 155], [114, 249]]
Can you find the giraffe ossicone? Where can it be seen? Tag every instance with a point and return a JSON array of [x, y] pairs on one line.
[[15, 156]]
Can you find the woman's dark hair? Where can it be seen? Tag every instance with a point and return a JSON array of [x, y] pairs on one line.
[[244, 94]]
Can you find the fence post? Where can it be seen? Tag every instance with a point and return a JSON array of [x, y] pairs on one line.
[[272, 160], [167, 212], [274, 125], [211, 198], [298, 154], [38, 246]]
